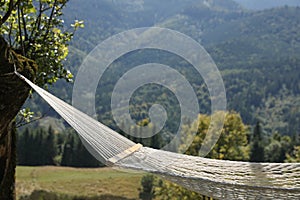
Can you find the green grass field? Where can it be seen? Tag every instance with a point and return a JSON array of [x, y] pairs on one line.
[[78, 182]]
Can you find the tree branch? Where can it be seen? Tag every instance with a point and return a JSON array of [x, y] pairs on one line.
[[2, 3], [9, 35], [37, 23], [22, 123], [50, 19], [8, 13], [20, 31], [24, 25]]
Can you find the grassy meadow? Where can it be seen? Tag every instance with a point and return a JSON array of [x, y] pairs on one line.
[[75, 182]]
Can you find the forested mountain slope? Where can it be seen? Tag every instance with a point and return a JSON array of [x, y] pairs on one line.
[[257, 53]]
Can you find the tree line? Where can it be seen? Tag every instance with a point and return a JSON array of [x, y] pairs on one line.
[[237, 141], [45, 147]]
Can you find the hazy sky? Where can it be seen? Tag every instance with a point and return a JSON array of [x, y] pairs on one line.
[[263, 4]]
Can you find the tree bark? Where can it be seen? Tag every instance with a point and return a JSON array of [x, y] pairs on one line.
[[8, 163], [13, 93]]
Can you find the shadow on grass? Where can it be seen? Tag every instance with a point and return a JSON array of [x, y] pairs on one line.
[[45, 195]]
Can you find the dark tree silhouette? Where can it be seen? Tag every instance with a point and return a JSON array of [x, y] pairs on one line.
[[257, 153]]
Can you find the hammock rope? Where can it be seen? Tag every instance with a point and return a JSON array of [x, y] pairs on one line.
[[215, 178]]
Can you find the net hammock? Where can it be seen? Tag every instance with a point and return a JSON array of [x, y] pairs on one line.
[[215, 178]]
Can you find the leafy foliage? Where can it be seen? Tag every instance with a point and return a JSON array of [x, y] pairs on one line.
[[170, 191], [233, 141], [232, 145], [35, 30], [278, 148], [281, 112], [294, 156]]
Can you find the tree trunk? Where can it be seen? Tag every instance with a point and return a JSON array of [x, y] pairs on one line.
[[13, 93], [8, 163]]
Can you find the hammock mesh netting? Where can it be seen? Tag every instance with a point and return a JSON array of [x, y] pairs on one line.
[[215, 178]]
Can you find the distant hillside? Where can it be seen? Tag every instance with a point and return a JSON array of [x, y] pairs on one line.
[[257, 53], [271, 34], [282, 24], [107, 17]]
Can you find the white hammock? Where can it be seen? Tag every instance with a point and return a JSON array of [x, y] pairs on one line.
[[215, 178]]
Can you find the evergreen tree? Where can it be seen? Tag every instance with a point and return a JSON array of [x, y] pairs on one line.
[[31, 150], [59, 142], [22, 147], [38, 145], [76, 155], [67, 157], [83, 157], [49, 147], [257, 152]]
